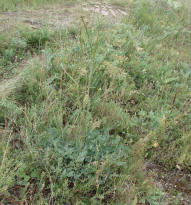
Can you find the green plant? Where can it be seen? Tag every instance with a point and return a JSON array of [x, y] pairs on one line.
[[97, 103]]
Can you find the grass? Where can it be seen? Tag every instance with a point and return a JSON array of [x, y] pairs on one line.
[[7, 5], [120, 3], [82, 121]]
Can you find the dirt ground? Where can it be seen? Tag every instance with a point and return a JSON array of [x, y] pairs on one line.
[[170, 182], [59, 16]]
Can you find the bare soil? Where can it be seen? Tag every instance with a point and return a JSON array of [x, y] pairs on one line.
[[176, 183], [59, 16]]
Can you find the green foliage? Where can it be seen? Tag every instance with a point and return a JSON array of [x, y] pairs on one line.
[[88, 166], [23, 43], [93, 107], [36, 39]]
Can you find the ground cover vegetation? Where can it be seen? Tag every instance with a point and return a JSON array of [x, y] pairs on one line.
[[83, 108]]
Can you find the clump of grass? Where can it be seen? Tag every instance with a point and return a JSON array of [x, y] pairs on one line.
[[20, 45], [120, 3]]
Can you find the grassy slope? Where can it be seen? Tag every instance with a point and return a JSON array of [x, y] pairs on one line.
[[103, 100], [7, 5]]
